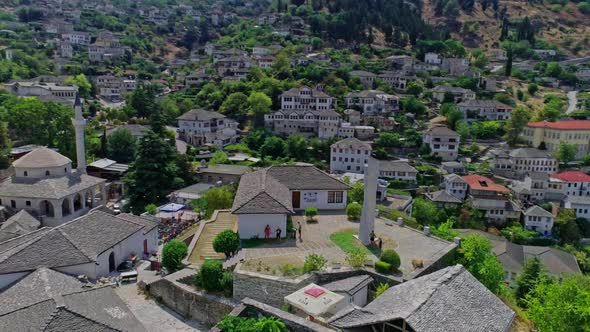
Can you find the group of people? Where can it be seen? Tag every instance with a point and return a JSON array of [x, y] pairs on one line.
[[375, 241], [279, 231], [171, 228]]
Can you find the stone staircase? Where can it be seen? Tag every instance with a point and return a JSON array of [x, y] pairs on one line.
[[204, 245]]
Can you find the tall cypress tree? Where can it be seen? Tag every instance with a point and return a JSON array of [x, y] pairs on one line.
[[510, 55]]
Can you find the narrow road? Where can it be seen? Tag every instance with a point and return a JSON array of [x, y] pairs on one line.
[[572, 98]]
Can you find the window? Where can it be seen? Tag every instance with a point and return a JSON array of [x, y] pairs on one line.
[[26, 173], [335, 197], [13, 204], [28, 203], [47, 173]]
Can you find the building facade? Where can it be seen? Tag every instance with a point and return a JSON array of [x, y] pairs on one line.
[[552, 134], [443, 142]]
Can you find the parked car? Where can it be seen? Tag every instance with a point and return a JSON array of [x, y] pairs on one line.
[[125, 266]]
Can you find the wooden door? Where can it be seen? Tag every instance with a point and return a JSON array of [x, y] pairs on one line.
[[296, 201]]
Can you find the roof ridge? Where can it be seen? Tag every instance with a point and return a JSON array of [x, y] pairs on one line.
[[90, 319], [74, 244], [448, 275], [28, 306]]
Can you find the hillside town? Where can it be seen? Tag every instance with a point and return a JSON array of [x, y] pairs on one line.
[[290, 165]]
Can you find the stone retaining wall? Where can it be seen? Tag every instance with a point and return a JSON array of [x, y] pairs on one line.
[[188, 302]]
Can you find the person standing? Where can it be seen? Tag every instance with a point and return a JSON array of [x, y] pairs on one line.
[[267, 232], [299, 229], [278, 232]]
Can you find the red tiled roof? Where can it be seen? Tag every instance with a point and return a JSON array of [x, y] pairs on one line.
[[572, 176], [564, 125], [478, 182]]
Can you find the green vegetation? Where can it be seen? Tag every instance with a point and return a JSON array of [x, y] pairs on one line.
[[381, 288], [314, 262], [242, 324], [346, 241], [354, 211], [227, 242], [311, 212], [173, 254], [391, 257], [210, 276], [477, 257], [217, 198]]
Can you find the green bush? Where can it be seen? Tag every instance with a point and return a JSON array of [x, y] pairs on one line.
[[381, 289], [151, 209], [311, 212], [226, 242], [354, 211], [242, 324], [314, 262], [356, 257], [227, 283], [391, 257], [211, 274], [173, 254], [382, 267]]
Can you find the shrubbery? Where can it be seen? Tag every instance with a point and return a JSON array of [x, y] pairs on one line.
[[210, 275], [314, 262], [241, 324], [382, 267], [356, 257], [311, 212], [354, 211], [173, 254], [226, 242], [391, 257]]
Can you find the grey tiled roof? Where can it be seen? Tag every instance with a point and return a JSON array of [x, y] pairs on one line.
[[294, 92], [353, 143], [49, 188], [442, 131], [484, 103], [42, 157], [46, 300], [396, 166], [19, 224], [536, 210], [200, 115], [77, 242], [259, 192], [530, 153], [225, 169], [349, 285], [136, 130], [443, 197], [447, 300], [306, 178]]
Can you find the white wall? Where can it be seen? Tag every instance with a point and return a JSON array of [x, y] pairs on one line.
[[321, 201], [88, 270], [124, 249], [252, 225], [7, 279]]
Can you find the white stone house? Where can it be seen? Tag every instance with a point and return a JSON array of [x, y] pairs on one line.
[[480, 109], [319, 123], [458, 93], [573, 183], [270, 195], [397, 170], [432, 58], [366, 78], [200, 127], [43, 90], [92, 245], [455, 186], [373, 102], [580, 204], [306, 98], [349, 155], [538, 219], [443, 142]]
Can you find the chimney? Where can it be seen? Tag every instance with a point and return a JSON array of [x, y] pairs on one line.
[[457, 240], [400, 221], [427, 230]]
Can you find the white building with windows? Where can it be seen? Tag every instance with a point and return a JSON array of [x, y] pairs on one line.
[[443, 142], [455, 186], [482, 109], [200, 127], [306, 98], [572, 183], [580, 204], [349, 156], [397, 170], [372, 102], [270, 195], [538, 219]]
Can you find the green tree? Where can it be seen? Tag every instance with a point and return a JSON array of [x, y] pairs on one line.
[[518, 234], [153, 174], [357, 192], [258, 105], [532, 88], [519, 118], [217, 198], [219, 157], [83, 84], [354, 211], [526, 281], [121, 146], [173, 254], [296, 147], [210, 275], [415, 88], [508, 67], [424, 211], [5, 146], [478, 259], [560, 306], [273, 147], [553, 69], [414, 106], [226, 242], [445, 230], [566, 152], [314, 262], [234, 106], [566, 227], [311, 212]]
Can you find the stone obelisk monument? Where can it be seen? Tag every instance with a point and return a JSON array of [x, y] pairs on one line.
[[79, 125], [369, 201]]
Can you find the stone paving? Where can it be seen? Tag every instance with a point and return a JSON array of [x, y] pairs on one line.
[[154, 317]]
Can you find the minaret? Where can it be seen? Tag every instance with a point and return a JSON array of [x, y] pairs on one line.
[[369, 201], [79, 125]]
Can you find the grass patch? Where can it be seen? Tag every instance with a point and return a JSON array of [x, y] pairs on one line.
[[286, 266], [346, 241], [398, 192], [393, 214]]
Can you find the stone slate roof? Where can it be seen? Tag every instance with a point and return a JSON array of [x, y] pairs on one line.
[[442, 131], [225, 169], [315, 113], [349, 285], [484, 103], [529, 153], [514, 256], [295, 92], [538, 211], [49, 188], [136, 130], [369, 94], [41, 157], [486, 204], [19, 224], [396, 166], [352, 143], [77, 242], [260, 193], [443, 197], [306, 178], [200, 115], [46, 300], [450, 299]]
